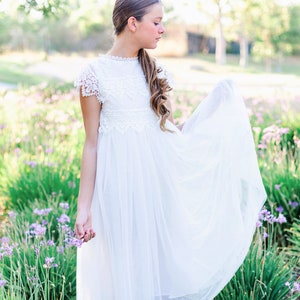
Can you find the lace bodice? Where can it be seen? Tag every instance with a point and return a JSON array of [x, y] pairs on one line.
[[120, 85]]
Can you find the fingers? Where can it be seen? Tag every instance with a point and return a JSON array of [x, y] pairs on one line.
[[88, 235], [79, 231]]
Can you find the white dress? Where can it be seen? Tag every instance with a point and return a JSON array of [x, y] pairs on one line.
[[174, 212]]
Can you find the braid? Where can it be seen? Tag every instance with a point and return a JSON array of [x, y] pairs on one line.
[[159, 87]]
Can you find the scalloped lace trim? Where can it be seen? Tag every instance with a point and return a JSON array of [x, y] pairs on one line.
[[89, 84], [120, 58], [122, 120]]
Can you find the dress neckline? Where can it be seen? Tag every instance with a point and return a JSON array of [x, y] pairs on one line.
[[120, 58]]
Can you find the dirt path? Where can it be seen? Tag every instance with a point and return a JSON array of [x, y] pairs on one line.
[[188, 74]]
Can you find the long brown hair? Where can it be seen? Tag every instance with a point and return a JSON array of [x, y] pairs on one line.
[[159, 87]]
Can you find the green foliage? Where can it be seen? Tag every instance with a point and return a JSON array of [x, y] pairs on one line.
[[14, 73], [38, 256], [263, 275], [41, 182], [49, 8]]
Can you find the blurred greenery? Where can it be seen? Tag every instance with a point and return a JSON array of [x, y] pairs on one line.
[[272, 29]]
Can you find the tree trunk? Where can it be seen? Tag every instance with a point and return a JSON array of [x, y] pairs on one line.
[[244, 51], [220, 40]]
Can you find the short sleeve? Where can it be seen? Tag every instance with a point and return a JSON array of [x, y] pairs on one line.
[[88, 82]]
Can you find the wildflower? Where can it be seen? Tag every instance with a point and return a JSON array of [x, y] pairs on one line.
[[288, 284], [294, 204], [32, 164], [50, 243], [17, 151], [296, 287], [60, 249], [63, 219], [37, 230], [49, 263], [280, 209], [65, 228], [12, 214], [64, 205], [48, 150], [5, 240], [42, 212], [44, 222], [73, 241], [277, 187], [259, 117], [258, 224], [2, 281], [36, 250], [265, 235], [281, 219]]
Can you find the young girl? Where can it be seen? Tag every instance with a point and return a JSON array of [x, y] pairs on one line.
[[167, 213]]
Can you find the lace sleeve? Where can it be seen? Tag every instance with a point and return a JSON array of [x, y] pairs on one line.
[[88, 83]]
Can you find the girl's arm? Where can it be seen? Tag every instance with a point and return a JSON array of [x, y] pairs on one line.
[[90, 108]]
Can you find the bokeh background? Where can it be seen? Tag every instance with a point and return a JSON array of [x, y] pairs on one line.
[[44, 45]]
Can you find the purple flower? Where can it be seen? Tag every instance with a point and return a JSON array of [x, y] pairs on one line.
[[281, 219], [258, 224], [32, 164], [49, 263], [73, 241], [280, 209], [36, 250], [65, 228], [294, 204], [265, 235], [48, 150], [44, 222], [12, 214], [296, 287], [64, 205], [63, 219], [37, 230], [42, 212], [288, 284], [50, 243], [277, 187], [60, 249], [2, 282], [5, 240]]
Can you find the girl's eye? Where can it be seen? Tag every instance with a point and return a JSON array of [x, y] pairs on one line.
[[156, 24]]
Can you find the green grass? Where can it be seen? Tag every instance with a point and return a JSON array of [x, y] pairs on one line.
[[15, 74], [288, 65]]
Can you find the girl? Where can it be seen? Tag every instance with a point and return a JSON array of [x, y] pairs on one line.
[[167, 214]]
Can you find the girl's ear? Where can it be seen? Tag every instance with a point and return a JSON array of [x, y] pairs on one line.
[[132, 22]]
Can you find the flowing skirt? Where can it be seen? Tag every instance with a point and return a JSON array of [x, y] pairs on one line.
[[174, 212]]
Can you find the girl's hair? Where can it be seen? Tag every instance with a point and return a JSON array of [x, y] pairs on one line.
[[159, 87]]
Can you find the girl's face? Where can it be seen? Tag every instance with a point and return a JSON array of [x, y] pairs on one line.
[[150, 28]]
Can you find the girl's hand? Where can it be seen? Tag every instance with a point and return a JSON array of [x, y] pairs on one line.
[[83, 225]]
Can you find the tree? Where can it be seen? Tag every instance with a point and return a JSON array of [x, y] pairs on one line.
[[47, 7], [270, 23], [220, 39]]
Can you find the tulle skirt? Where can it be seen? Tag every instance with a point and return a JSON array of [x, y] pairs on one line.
[[174, 212]]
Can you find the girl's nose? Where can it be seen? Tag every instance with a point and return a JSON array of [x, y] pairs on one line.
[[161, 29]]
